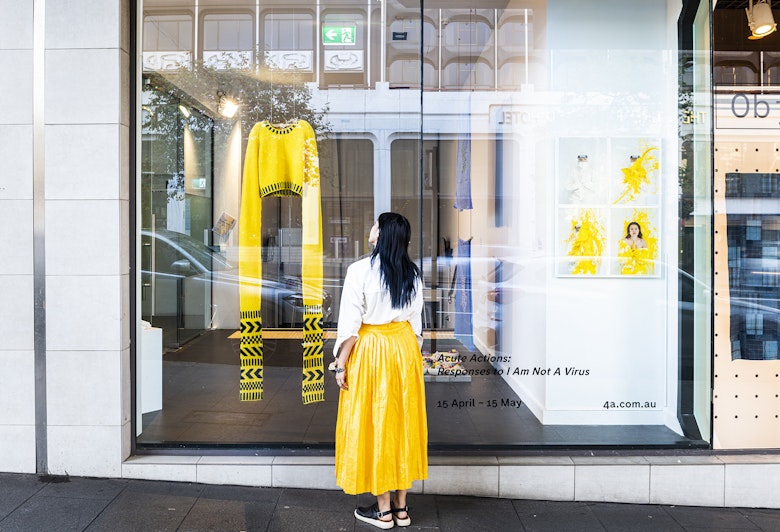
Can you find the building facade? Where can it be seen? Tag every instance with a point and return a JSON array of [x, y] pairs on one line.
[[600, 268]]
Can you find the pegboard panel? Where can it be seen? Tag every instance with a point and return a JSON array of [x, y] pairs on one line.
[[746, 393]]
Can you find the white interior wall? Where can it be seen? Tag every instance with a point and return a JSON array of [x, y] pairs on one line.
[[607, 81], [227, 198]]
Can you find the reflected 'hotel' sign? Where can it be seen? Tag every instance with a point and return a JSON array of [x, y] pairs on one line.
[[517, 117]]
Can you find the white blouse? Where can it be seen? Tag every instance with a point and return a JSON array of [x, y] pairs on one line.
[[364, 299]]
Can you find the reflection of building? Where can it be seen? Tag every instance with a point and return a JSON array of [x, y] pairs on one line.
[[754, 276], [466, 58], [462, 47], [403, 87]]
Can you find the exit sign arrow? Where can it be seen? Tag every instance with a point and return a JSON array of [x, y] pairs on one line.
[[342, 34]]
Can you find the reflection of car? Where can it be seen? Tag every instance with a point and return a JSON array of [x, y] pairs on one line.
[[188, 285]]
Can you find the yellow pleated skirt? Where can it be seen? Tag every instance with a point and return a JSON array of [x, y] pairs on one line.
[[382, 428]]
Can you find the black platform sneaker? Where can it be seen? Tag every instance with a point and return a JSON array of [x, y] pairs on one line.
[[372, 516]]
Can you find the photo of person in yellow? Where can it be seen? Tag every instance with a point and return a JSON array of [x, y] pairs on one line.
[[586, 243], [633, 252], [638, 177]]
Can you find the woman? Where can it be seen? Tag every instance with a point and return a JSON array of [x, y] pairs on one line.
[[381, 431], [633, 252], [634, 238]]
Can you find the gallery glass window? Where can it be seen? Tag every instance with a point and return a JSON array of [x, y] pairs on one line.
[[746, 183], [535, 149]]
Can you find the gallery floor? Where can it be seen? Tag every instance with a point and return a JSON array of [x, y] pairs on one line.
[[201, 406]]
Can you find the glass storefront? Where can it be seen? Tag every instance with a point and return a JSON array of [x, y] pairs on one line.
[[548, 155], [746, 372]]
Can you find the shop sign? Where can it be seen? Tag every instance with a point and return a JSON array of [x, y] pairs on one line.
[[747, 109], [341, 34]]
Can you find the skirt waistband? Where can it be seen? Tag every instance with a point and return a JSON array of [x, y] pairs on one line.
[[393, 326]]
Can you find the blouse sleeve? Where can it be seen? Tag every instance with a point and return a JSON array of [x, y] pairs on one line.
[[350, 309], [415, 318]]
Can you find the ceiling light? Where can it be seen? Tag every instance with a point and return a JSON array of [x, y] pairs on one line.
[[760, 19], [183, 110], [227, 107]]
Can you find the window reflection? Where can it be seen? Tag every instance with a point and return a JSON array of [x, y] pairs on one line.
[[228, 39], [754, 266], [490, 112], [288, 41], [168, 41]]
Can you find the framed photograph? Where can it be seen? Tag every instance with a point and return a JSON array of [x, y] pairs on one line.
[[583, 177], [224, 225], [608, 207], [635, 171], [635, 250], [582, 242]]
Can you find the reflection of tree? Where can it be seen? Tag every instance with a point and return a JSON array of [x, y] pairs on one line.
[[685, 170], [261, 94], [686, 114], [166, 130]]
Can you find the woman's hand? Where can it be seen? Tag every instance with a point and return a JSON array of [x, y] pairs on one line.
[[341, 362], [341, 379]]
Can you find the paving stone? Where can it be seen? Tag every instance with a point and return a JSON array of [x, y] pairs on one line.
[[181, 489], [764, 519], [634, 518], [473, 513], [330, 500], [695, 517], [63, 514], [153, 509], [84, 488], [549, 516], [297, 519], [208, 515], [242, 493], [15, 489]]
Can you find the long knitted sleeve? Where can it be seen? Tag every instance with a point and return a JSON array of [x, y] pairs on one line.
[[250, 269]]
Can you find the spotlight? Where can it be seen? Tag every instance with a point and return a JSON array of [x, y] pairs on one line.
[[226, 106], [760, 19]]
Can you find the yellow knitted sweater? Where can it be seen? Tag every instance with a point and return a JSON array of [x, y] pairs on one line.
[[280, 161]]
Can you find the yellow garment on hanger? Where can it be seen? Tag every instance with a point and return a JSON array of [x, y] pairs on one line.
[[280, 161]]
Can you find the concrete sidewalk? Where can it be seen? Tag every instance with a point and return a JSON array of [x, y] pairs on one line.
[[29, 503]]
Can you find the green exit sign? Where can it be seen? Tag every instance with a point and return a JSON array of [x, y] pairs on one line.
[[338, 34]]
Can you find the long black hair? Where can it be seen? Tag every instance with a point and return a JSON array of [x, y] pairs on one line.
[[397, 269], [628, 230]]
